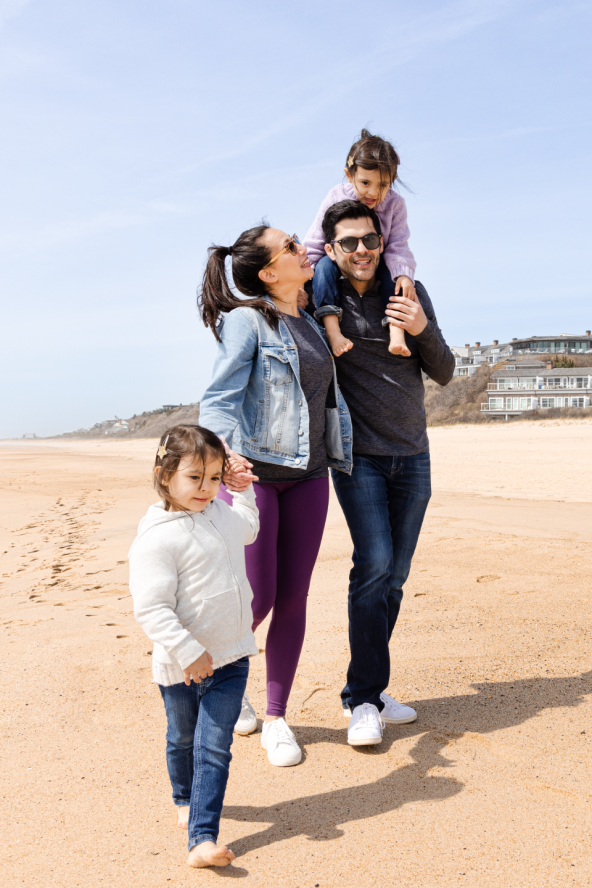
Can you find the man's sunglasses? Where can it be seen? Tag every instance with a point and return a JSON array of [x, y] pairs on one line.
[[350, 244], [292, 246]]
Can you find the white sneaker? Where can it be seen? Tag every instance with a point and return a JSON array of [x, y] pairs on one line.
[[395, 713], [247, 720], [280, 743], [366, 726]]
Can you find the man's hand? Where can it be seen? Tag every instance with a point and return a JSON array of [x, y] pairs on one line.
[[302, 298], [200, 668], [405, 287], [238, 475], [407, 314]]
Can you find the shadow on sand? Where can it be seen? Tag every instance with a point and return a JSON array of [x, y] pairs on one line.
[[495, 706]]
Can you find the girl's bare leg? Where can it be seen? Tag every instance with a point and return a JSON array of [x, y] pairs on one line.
[[397, 345], [339, 343]]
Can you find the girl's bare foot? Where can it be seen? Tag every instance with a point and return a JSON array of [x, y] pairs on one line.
[[339, 344], [182, 816], [209, 854], [397, 345]]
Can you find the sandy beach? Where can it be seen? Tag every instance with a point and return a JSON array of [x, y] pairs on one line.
[[492, 786]]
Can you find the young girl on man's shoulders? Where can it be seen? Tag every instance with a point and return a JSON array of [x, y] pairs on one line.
[[371, 169]]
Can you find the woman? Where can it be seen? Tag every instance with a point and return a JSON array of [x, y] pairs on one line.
[[274, 398]]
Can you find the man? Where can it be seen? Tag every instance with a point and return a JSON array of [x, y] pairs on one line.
[[385, 498]]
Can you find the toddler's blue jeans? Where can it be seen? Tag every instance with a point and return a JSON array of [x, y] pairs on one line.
[[200, 721], [326, 291]]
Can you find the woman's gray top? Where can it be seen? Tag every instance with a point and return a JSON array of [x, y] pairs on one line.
[[316, 376]]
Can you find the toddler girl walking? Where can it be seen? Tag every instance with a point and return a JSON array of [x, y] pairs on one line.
[[193, 600], [371, 170]]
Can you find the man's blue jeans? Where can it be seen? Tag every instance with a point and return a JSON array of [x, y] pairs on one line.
[[200, 721], [384, 502]]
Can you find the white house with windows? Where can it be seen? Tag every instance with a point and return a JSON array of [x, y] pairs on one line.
[[514, 390], [469, 358]]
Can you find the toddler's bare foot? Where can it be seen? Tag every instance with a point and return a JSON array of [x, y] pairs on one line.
[[339, 344], [397, 345], [182, 816], [210, 854]]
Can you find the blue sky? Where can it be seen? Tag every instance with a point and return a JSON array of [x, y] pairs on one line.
[[135, 134]]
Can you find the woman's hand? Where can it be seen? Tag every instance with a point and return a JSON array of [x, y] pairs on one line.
[[407, 314], [238, 475], [199, 669]]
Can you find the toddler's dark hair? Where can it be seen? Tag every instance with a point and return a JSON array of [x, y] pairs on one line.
[[181, 441], [373, 153]]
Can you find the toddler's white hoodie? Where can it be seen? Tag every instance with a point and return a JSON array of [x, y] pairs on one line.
[[189, 584]]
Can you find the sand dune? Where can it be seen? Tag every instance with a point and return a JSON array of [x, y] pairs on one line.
[[490, 787]]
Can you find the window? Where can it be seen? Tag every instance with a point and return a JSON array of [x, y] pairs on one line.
[[580, 382], [528, 382], [464, 372], [525, 403], [547, 402], [496, 403], [508, 403], [577, 402]]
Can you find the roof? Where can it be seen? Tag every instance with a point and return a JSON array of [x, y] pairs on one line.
[[545, 374]]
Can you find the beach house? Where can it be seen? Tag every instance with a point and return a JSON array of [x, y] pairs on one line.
[[470, 358], [515, 389]]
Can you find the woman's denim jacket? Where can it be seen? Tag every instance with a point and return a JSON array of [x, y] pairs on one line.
[[255, 399]]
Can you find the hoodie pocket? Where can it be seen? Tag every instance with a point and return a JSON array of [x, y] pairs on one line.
[[217, 622]]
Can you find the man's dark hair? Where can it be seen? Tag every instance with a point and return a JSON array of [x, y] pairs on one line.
[[347, 209]]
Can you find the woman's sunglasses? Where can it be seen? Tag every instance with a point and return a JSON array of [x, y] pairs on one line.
[[292, 246], [350, 244]]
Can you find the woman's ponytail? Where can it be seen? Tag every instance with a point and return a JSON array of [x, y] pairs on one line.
[[215, 297]]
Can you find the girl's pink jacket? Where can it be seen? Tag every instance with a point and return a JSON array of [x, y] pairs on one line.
[[392, 213]]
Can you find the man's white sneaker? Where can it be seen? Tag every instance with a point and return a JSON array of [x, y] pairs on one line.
[[280, 743], [395, 713], [366, 726], [247, 720]]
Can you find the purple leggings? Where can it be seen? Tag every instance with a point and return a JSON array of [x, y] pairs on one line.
[[279, 566]]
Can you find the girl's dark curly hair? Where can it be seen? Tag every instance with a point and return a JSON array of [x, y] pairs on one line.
[[373, 153]]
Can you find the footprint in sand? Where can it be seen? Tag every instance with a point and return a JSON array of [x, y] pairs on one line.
[[488, 578]]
